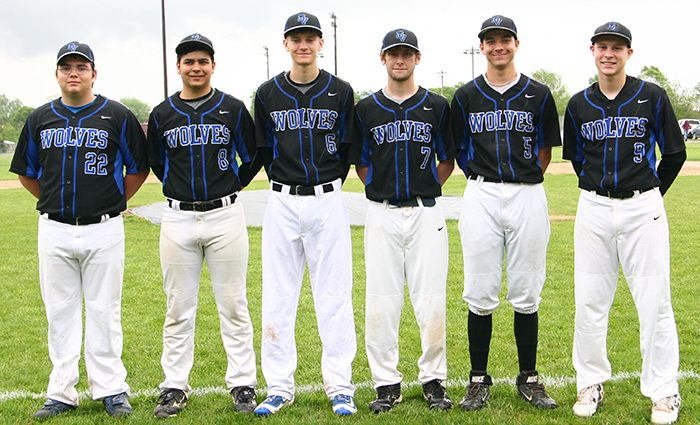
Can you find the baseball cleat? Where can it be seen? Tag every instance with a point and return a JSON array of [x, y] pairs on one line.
[[434, 392], [117, 405], [52, 408], [589, 399], [272, 405], [170, 402], [665, 411], [477, 392], [243, 399], [387, 397], [344, 405], [533, 391]]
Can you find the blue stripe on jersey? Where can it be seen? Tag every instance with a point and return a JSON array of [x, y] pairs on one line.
[[466, 148], [311, 134], [63, 163], [498, 148], [539, 131], [510, 160], [204, 162], [33, 165], [617, 139], [189, 122], [366, 151], [75, 155], [656, 137], [396, 151], [406, 160], [301, 144], [605, 151]]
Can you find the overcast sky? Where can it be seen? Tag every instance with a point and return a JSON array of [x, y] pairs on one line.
[[126, 38]]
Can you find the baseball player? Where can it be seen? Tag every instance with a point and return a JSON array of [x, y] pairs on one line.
[[506, 125], [611, 132], [193, 139], [304, 125], [404, 129], [72, 155]]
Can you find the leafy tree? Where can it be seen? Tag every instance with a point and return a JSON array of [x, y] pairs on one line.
[[593, 79], [448, 90], [360, 95], [140, 108], [556, 86], [20, 117], [7, 110], [684, 101]]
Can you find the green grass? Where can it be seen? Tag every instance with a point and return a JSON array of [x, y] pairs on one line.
[[25, 366]]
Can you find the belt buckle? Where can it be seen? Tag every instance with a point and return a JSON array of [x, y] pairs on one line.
[[296, 188], [198, 206]]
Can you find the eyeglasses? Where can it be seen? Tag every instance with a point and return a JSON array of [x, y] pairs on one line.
[[80, 70]]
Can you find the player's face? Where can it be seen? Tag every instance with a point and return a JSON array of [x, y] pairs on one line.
[[75, 76], [611, 54], [400, 62], [303, 46], [196, 68], [499, 47]]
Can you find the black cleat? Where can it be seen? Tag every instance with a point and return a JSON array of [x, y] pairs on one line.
[[170, 402], [117, 405], [533, 391], [52, 408], [477, 392], [435, 393], [243, 399], [387, 397]]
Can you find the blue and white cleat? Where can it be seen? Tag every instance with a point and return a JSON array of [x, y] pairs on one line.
[[344, 405], [273, 404]]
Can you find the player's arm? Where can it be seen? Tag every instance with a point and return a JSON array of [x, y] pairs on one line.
[[361, 171], [570, 150], [444, 170], [154, 149], [31, 184], [545, 157], [246, 147], [668, 169], [673, 155], [132, 183]]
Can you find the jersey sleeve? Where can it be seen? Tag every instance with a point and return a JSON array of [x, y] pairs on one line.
[[445, 147], [669, 136], [549, 131], [458, 124], [132, 145], [572, 142], [263, 127], [155, 149], [25, 161], [244, 135]]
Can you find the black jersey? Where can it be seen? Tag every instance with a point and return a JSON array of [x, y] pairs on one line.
[[616, 139], [500, 135], [400, 143], [305, 130], [198, 146], [79, 158]]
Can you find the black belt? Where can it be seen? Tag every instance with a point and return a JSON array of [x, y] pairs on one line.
[[487, 179], [302, 190], [203, 206], [81, 221], [413, 202], [622, 194]]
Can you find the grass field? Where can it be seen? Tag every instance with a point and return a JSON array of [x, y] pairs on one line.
[[25, 366]]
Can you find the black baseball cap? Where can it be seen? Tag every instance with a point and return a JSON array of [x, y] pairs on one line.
[[302, 20], [613, 28], [195, 42], [76, 48], [498, 22], [400, 37]]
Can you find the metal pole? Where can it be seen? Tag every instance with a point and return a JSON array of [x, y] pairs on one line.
[[334, 24], [165, 60], [442, 88], [267, 55], [472, 51]]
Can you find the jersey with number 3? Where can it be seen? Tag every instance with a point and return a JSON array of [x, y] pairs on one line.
[[616, 139], [305, 130], [79, 158], [500, 135], [198, 146], [400, 143]]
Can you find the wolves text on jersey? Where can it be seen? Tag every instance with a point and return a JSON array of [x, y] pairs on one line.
[[401, 131], [501, 120], [294, 119], [623, 127], [72, 136], [197, 134]]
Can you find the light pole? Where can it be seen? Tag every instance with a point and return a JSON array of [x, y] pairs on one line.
[[165, 61], [442, 89], [334, 24], [267, 55], [472, 52]]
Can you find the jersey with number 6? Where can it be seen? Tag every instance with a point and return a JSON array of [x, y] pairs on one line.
[[305, 130], [400, 143], [198, 146], [500, 135], [616, 139], [79, 158]]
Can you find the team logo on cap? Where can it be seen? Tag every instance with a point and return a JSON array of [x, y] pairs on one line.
[[612, 26], [302, 18], [195, 37], [497, 20], [72, 47], [401, 35]]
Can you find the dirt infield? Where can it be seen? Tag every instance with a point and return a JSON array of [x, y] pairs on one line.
[[690, 168]]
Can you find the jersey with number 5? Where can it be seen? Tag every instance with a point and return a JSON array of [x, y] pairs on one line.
[[79, 157], [400, 143], [198, 146], [616, 139], [500, 135], [305, 130]]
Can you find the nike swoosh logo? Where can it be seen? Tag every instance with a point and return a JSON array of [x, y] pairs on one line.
[[332, 94], [440, 228], [224, 112], [529, 96], [425, 108], [528, 397], [642, 101], [657, 217], [105, 118]]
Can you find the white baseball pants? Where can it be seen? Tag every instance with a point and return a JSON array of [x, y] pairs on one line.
[[633, 233]]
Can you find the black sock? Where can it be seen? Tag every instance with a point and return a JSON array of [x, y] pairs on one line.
[[479, 329], [525, 327]]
